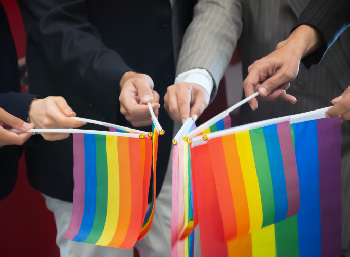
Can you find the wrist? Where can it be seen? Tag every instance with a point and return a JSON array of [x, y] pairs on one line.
[[304, 40], [127, 75], [32, 106]]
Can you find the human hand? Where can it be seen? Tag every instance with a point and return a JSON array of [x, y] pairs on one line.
[[8, 121], [341, 106], [136, 92], [272, 74], [184, 100], [53, 112]]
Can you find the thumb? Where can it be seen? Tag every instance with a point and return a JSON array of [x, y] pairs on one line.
[[63, 106], [273, 83], [144, 90], [13, 121]]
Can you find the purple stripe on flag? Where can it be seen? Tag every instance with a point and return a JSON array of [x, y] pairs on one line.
[[112, 129], [290, 167], [227, 121], [329, 152], [79, 186]]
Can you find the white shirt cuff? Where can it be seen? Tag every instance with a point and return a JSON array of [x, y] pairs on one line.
[[198, 76]]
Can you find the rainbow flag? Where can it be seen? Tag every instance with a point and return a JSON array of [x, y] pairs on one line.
[[183, 219], [220, 125], [112, 174], [255, 185]]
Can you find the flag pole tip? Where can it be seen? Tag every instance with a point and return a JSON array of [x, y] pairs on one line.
[[174, 142], [161, 132], [205, 137], [150, 134], [141, 136]]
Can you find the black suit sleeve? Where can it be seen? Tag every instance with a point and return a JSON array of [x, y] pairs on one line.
[[73, 50], [330, 18]]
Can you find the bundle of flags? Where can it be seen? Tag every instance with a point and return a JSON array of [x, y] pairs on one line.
[[270, 188]]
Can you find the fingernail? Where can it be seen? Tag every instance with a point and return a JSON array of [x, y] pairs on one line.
[[336, 99], [262, 91], [146, 98], [84, 123], [195, 117], [183, 121], [327, 116], [26, 126]]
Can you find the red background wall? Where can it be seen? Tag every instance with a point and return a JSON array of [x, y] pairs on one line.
[[27, 228]]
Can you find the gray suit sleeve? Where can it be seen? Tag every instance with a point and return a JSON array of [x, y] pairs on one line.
[[211, 38]]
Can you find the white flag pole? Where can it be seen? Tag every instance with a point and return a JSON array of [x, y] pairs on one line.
[[106, 124], [155, 121], [220, 116], [81, 131], [183, 130]]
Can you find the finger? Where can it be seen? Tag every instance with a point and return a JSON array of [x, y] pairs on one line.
[[183, 102], [198, 108], [64, 122], [141, 123], [274, 96], [63, 106], [10, 138], [54, 137], [173, 108], [13, 121], [345, 116], [337, 99], [156, 97], [144, 90], [288, 98], [271, 84], [248, 85], [338, 109]]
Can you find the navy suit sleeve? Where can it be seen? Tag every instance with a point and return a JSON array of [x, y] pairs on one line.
[[16, 104], [330, 18], [74, 52]]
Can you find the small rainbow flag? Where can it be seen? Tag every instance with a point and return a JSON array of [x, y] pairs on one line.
[[250, 191], [183, 219], [112, 174]]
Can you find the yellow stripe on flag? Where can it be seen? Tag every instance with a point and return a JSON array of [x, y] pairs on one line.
[[206, 131], [263, 242], [113, 192], [250, 178]]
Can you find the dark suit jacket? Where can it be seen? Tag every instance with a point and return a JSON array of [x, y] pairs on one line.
[[330, 18], [80, 50], [15, 103]]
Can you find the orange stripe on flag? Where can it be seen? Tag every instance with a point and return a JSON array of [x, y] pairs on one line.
[[125, 192], [136, 193], [237, 184], [223, 188]]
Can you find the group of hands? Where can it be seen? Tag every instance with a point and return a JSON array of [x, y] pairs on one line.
[[270, 76]]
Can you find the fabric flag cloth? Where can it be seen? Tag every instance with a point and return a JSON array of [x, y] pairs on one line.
[[183, 219], [112, 175], [254, 186], [220, 125]]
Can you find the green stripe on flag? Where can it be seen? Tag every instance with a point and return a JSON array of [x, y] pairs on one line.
[[262, 168], [101, 192]]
